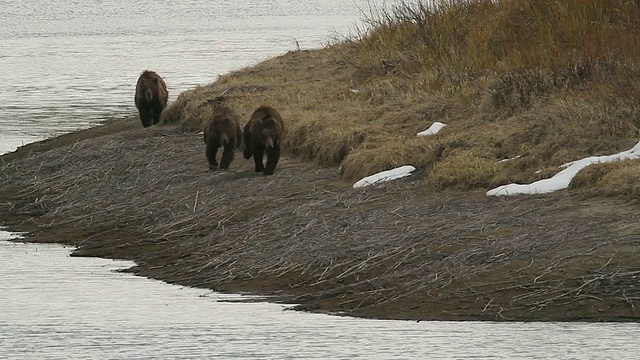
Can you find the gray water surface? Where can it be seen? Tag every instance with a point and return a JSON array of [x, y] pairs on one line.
[[54, 306], [67, 65]]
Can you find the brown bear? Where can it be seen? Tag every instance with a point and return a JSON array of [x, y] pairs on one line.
[[264, 132], [223, 130], [151, 97]]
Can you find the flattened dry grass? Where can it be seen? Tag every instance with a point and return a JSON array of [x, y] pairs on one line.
[[399, 252], [545, 81]]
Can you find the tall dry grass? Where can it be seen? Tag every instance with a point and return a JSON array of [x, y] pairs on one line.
[[546, 81]]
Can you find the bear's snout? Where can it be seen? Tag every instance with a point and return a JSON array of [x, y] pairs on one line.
[[148, 95]]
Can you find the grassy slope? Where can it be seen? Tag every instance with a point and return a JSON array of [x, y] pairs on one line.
[[550, 81]]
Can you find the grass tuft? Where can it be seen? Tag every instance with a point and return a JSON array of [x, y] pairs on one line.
[[463, 170], [612, 179]]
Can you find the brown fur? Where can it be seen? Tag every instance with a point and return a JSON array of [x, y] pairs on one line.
[[264, 133], [151, 97], [223, 130]]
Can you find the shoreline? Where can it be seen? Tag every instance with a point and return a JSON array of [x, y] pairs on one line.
[[392, 251]]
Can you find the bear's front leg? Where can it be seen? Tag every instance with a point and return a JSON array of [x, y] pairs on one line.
[[258, 154], [157, 110], [212, 151], [227, 155], [273, 155], [247, 152], [146, 117]]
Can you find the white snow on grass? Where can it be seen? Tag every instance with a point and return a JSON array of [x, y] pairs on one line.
[[562, 179], [509, 159], [433, 129], [384, 176]]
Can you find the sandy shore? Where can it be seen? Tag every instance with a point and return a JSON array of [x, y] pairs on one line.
[[303, 236]]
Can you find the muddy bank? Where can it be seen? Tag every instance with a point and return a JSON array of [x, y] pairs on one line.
[[303, 236]]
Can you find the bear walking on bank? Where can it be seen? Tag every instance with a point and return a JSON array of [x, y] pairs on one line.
[[151, 97], [223, 130], [264, 133]]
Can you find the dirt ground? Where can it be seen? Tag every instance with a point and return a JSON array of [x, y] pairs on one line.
[[303, 236]]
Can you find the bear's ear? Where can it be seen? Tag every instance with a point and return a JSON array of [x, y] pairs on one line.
[[155, 80]]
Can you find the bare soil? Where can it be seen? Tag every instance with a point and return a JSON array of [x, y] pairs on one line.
[[393, 251]]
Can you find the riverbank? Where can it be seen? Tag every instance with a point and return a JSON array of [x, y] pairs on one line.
[[303, 236]]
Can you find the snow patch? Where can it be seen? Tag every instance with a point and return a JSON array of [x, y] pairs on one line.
[[562, 179], [433, 129], [509, 159], [384, 176]]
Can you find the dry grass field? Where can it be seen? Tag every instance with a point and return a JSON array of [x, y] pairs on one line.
[[545, 81]]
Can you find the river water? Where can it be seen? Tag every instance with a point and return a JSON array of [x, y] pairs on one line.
[[66, 65], [53, 306]]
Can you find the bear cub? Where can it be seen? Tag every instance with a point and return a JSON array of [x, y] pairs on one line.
[[264, 133], [223, 130], [151, 97]]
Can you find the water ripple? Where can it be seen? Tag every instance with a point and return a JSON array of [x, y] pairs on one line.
[[55, 306], [66, 66]]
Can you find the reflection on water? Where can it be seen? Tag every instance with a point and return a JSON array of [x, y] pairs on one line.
[[54, 306]]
